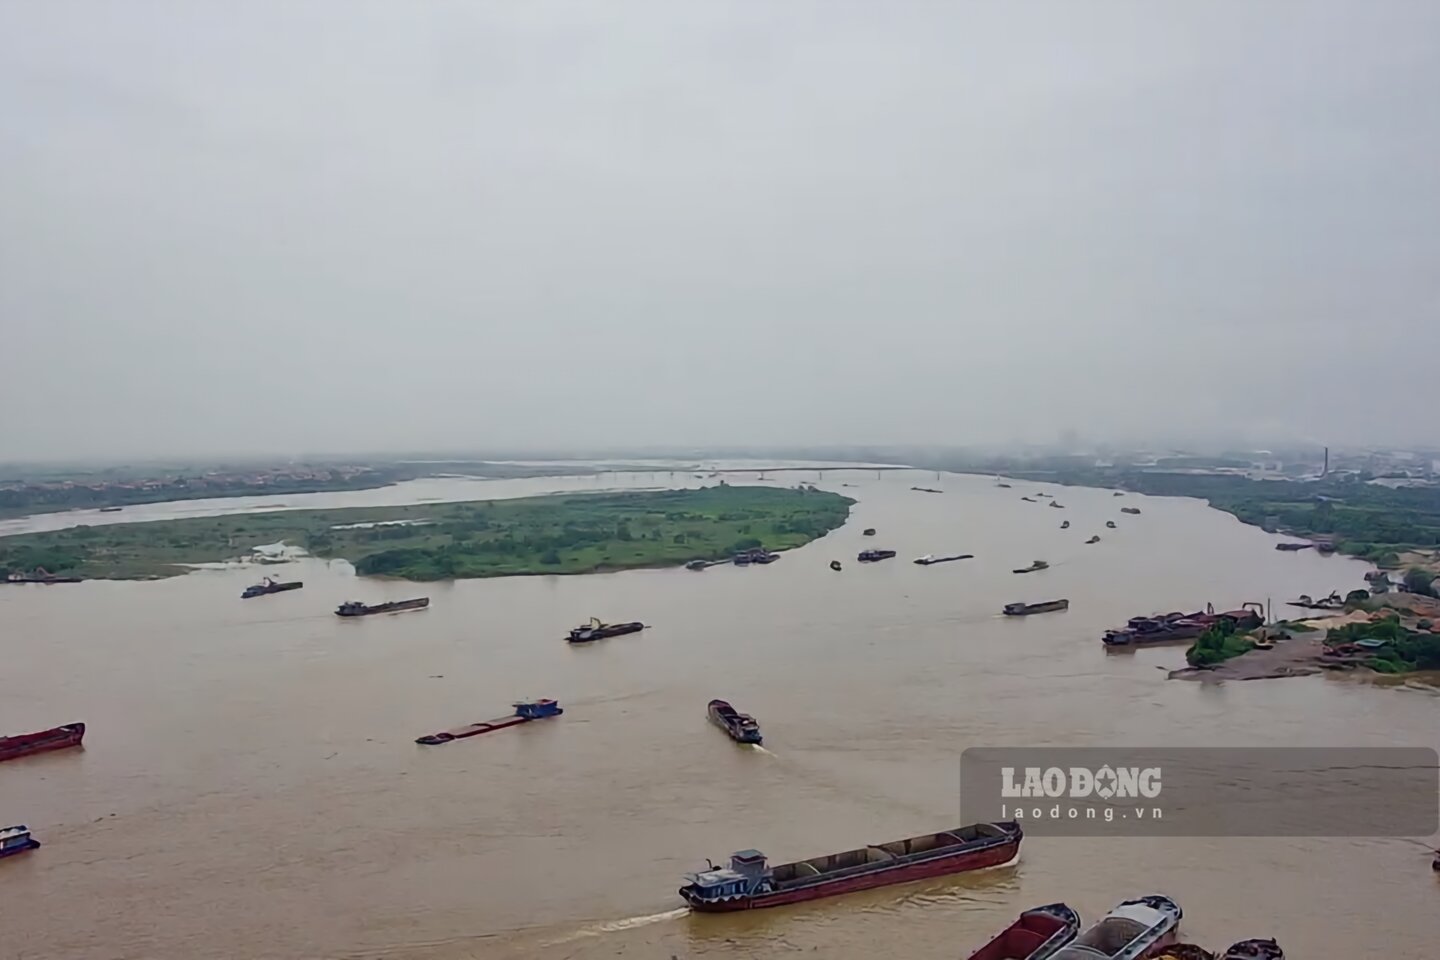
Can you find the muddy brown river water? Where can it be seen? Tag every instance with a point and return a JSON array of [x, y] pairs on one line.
[[250, 786]]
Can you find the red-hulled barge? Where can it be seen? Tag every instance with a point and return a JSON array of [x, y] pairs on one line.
[[749, 884], [56, 738]]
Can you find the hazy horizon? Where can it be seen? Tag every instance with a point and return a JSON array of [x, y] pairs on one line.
[[329, 227]]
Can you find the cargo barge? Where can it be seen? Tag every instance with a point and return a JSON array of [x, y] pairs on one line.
[[748, 883], [1025, 609], [525, 711], [595, 630], [355, 608], [268, 586], [740, 727], [56, 738], [1036, 935]]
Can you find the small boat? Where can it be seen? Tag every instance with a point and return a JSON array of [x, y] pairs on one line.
[[111, 509], [1065, 525], [15, 840], [354, 608], [834, 564], [870, 556], [1057, 504], [1118, 493], [269, 586], [1005, 485], [525, 711], [1435, 864], [1094, 539], [1035, 935], [595, 630], [1042, 494], [741, 727], [1036, 565], [1131, 510], [1133, 930], [1254, 950], [1110, 524], [1029, 499], [696, 565], [1325, 548], [748, 883], [1292, 547], [1025, 609], [926, 490], [930, 558], [56, 738], [869, 532]]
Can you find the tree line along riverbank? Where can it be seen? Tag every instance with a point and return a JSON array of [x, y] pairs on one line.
[[1376, 523], [558, 534]]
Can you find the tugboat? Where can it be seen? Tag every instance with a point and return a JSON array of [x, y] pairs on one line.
[[354, 608], [870, 556], [15, 840], [1133, 930], [1025, 609], [595, 630], [1036, 935], [1064, 524], [267, 585], [1255, 950], [1034, 566], [525, 711], [1110, 524], [749, 883], [740, 727], [56, 738], [1094, 539], [1129, 509], [834, 564]]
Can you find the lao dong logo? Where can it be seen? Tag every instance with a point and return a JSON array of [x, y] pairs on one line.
[[1081, 783]]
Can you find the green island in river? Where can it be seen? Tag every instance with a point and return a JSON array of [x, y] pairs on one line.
[[557, 534]]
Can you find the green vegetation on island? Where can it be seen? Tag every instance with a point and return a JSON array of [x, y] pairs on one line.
[[1389, 644], [434, 541], [1218, 644]]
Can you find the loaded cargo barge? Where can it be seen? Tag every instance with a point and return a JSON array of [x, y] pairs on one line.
[[750, 884]]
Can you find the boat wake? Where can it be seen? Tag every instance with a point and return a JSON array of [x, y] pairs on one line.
[[615, 926], [759, 749]]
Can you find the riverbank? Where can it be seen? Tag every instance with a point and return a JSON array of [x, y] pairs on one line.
[[1381, 524], [489, 538], [113, 489]]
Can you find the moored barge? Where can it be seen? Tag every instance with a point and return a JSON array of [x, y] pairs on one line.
[[1134, 930], [748, 883], [1036, 935]]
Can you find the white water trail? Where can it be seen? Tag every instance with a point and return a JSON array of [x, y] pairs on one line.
[[614, 926], [759, 749]]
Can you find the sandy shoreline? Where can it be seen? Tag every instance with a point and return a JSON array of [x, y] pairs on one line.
[[1296, 656]]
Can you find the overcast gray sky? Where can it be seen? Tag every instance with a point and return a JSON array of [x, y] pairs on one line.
[[314, 226]]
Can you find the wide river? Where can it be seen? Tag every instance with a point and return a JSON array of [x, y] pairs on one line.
[[250, 786]]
